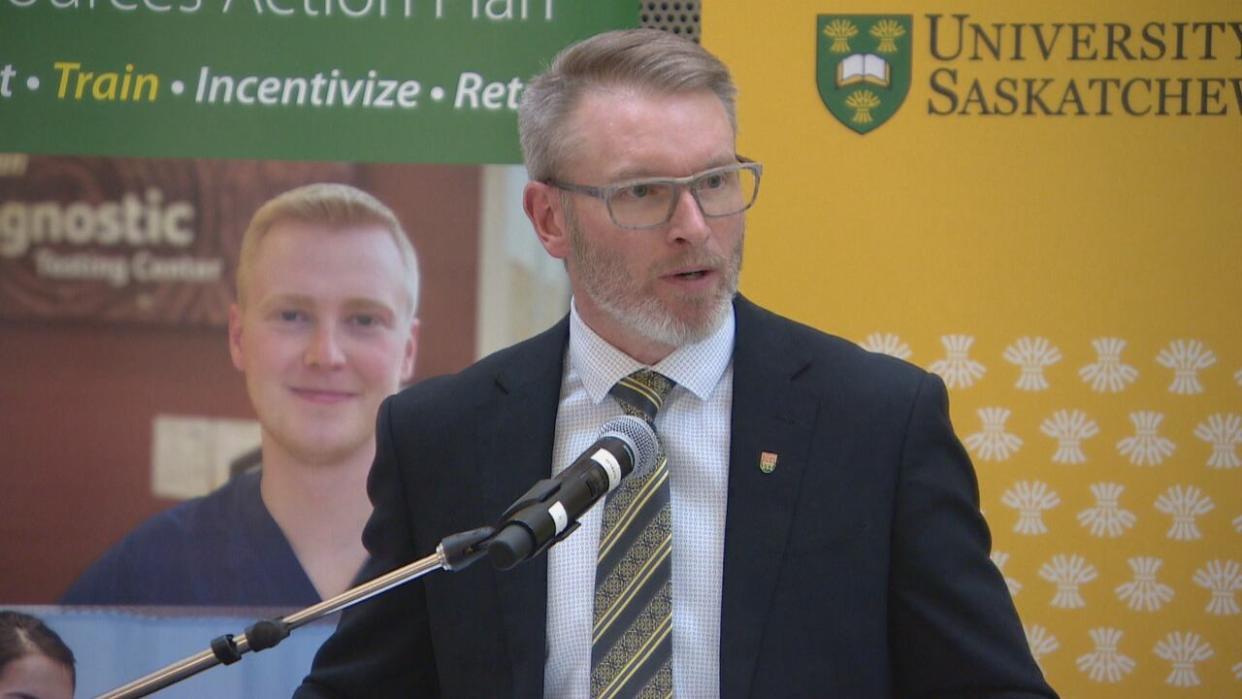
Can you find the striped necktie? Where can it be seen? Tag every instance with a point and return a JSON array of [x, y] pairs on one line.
[[632, 643]]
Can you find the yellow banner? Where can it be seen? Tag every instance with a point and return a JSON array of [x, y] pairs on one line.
[[1048, 214]]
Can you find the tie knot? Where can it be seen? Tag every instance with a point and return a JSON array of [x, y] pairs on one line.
[[642, 393]]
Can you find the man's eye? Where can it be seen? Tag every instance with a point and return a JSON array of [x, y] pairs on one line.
[[636, 191], [291, 316], [647, 192], [365, 321], [714, 181]]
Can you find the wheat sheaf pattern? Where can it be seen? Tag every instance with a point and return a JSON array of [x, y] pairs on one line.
[[1110, 473]]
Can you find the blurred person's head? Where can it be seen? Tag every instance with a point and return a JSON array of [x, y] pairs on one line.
[[335, 206], [34, 662], [325, 321]]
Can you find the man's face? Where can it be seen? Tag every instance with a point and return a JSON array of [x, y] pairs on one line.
[[326, 333], [665, 286]]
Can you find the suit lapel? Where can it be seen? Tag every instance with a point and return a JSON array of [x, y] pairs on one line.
[[771, 413], [516, 439]]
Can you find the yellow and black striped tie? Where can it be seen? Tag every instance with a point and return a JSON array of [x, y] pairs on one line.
[[632, 642]]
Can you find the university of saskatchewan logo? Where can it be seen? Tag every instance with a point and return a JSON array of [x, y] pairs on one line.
[[862, 65]]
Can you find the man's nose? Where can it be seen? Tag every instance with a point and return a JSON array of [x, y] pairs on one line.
[[324, 349], [688, 222]]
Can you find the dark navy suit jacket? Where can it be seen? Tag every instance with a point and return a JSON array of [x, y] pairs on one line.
[[857, 568]]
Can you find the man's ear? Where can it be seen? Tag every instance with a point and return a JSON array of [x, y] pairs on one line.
[[411, 353], [542, 203], [235, 336]]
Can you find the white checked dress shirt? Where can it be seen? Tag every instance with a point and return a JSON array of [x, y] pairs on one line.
[[693, 426]]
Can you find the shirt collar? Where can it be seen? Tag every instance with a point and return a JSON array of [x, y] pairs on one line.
[[697, 367]]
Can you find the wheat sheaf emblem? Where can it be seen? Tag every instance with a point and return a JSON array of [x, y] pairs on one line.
[[887, 31], [862, 102], [840, 31]]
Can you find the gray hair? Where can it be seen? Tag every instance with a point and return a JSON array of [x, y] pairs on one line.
[[338, 206], [645, 59]]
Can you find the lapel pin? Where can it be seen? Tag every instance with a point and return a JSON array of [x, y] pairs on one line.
[[767, 462]]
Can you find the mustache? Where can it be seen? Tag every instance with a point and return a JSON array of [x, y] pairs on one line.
[[693, 262]]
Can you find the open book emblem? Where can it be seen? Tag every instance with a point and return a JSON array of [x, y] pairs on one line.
[[863, 67]]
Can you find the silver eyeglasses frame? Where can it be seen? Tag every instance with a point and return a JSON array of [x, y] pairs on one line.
[[606, 193]]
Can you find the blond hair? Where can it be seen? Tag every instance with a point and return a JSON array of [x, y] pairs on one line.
[[337, 206], [644, 59]]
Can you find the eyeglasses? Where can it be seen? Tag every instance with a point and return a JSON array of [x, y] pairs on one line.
[[650, 203]]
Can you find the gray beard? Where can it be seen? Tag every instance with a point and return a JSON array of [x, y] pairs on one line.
[[649, 319], [646, 315]]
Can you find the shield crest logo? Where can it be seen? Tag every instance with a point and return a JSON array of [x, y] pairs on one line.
[[767, 461], [862, 66]]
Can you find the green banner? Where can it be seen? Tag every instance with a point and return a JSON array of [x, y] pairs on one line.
[[360, 80]]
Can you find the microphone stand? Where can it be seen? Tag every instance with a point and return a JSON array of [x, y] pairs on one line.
[[453, 554]]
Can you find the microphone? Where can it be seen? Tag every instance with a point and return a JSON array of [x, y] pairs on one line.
[[549, 511]]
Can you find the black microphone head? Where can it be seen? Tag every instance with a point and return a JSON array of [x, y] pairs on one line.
[[638, 436]]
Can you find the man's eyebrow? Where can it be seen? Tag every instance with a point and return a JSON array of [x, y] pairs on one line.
[[285, 299], [632, 174], [362, 303], [352, 303]]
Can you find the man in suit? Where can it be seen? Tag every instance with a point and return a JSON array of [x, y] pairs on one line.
[[825, 532]]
